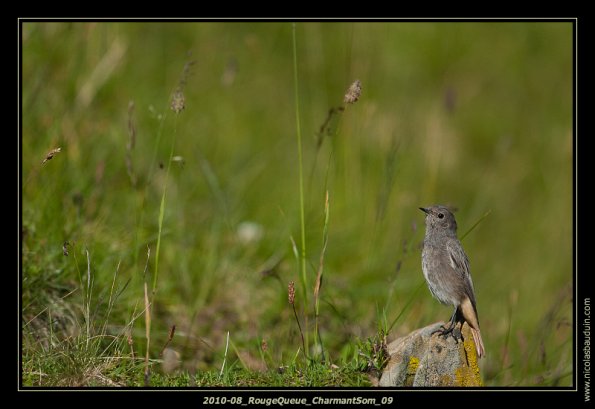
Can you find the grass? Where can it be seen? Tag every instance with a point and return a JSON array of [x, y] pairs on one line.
[[302, 253], [226, 203]]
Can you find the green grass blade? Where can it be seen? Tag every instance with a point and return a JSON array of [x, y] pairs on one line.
[[486, 214], [304, 280]]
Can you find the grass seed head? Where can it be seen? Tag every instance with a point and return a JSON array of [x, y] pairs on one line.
[[291, 290], [353, 93], [51, 154], [178, 102]]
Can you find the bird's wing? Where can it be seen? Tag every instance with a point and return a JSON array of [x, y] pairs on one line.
[[457, 257], [460, 263]]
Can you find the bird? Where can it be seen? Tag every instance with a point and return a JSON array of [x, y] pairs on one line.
[[446, 269]]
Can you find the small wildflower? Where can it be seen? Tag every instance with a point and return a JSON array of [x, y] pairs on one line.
[[249, 232], [179, 160], [353, 93]]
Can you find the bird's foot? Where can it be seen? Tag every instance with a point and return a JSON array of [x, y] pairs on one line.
[[443, 331], [450, 330]]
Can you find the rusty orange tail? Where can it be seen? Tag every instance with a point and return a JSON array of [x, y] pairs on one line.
[[470, 315]]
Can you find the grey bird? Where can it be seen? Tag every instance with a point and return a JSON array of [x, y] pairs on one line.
[[446, 270]]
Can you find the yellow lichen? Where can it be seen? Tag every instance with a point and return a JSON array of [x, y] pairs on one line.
[[468, 375], [413, 364], [411, 370], [446, 380]]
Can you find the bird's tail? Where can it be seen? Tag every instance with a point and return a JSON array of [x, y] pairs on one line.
[[478, 342], [470, 315]]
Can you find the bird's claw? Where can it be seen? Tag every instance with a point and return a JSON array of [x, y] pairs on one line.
[[451, 330]]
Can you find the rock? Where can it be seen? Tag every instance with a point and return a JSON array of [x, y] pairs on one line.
[[423, 359]]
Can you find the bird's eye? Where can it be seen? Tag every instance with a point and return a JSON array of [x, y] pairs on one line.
[[440, 216]]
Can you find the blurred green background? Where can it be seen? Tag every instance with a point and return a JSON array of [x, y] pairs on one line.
[[474, 115]]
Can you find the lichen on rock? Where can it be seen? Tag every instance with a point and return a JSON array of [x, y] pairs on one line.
[[425, 359]]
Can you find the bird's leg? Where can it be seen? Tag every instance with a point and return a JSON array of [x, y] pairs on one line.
[[456, 333], [444, 331], [455, 328]]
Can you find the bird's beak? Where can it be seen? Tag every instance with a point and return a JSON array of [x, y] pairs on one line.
[[423, 209]]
